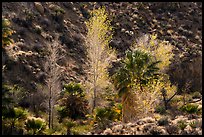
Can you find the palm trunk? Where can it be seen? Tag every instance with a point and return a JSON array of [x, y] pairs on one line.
[[124, 115], [68, 131]]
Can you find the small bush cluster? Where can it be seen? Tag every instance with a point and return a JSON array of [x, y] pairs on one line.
[[190, 108], [182, 124], [35, 125], [104, 116], [196, 95], [163, 121], [160, 109]]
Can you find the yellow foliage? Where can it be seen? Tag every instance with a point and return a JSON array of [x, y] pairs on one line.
[[146, 99], [6, 33], [118, 111], [161, 50], [99, 53]]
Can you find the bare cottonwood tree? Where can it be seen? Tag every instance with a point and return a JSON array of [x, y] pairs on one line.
[[53, 72]]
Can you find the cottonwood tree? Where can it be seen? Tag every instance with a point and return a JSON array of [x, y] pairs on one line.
[[53, 72], [99, 53]]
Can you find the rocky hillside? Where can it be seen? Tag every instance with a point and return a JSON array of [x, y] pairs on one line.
[[36, 23], [151, 126]]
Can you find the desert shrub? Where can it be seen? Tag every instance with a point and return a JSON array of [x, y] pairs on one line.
[[73, 103], [7, 100], [163, 121], [182, 124], [69, 123], [35, 126], [196, 95], [57, 13], [193, 124], [189, 108], [112, 114], [160, 109], [13, 117], [172, 129], [38, 29], [176, 99], [81, 129], [104, 116]]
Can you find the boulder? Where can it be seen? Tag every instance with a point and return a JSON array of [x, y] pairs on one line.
[[39, 7], [117, 128], [107, 132]]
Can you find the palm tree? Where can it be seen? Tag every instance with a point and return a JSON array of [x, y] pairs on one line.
[[138, 69]]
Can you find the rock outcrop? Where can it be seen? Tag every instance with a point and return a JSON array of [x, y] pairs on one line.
[[180, 125]]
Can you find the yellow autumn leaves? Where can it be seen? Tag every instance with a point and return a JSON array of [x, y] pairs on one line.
[[6, 33], [161, 50]]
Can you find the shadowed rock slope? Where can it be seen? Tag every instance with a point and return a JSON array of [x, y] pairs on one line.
[[36, 23]]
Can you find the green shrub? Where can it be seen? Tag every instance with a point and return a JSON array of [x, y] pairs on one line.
[[60, 11], [182, 124], [38, 29], [81, 129], [190, 108], [35, 125], [193, 124], [196, 95], [163, 121], [103, 116], [68, 123], [160, 110]]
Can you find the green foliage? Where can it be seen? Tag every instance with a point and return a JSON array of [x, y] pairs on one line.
[[74, 89], [15, 113], [7, 100], [196, 95], [81, 129], [190, 108], [70, 124], [6, 33], [161, 50], [12, 115], [163, 121], [35, 125], [60, 11], [104, 116], [193, 124], [19, 113], [13, 120], [138, 69], [73, 103], [38, 29], [182, 124], [160, 109]]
